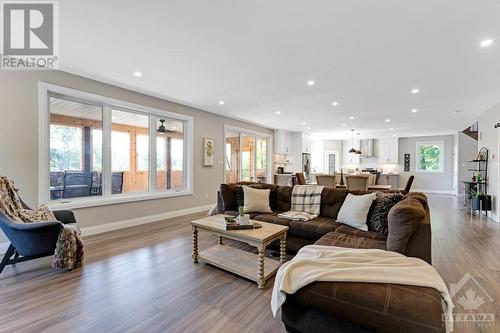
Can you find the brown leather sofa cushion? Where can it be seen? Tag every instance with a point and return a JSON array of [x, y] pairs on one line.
[[380, 307], [403, 220], [271, 218], [313, 229], [345, 229], [335, 238], [283, 198]]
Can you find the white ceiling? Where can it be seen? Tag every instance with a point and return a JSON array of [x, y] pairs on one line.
[[258, 55]]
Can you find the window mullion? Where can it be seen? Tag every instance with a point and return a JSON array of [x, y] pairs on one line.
[[152, 153], [106, 151]]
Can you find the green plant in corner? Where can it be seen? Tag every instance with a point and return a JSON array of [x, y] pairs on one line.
[[241, 210], [477, 195]]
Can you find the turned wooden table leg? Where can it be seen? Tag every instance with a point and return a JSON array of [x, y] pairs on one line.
[[220, 240], [283, 249], [195, 245], [261, 282]]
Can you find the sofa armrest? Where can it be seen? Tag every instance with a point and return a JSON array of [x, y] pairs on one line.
[[65, 216]]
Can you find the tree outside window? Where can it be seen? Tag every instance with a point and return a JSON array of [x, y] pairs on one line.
[[430, 157], [65, 148]]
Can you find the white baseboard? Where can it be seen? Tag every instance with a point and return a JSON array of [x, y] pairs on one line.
[[434, 191], [97, 229]]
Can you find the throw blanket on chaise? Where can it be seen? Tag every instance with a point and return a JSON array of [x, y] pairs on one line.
[[306, 203], [337, 264], [69, 247]]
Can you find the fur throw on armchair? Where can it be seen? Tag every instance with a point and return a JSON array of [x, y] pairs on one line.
[[69, 248]]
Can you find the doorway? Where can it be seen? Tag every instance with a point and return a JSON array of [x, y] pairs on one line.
[[332, 163], [247, 156]]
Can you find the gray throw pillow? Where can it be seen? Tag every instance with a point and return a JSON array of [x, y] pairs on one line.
[[383, 203]]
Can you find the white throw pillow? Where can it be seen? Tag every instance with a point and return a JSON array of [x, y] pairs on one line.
[[354, 210], [255, 200]]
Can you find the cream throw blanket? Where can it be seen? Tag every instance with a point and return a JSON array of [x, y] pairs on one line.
[[69, 247], [330, 263]]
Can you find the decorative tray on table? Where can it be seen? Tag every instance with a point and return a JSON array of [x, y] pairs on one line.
[[232, 224]]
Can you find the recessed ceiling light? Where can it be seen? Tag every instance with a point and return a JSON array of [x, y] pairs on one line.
[[391, 129], [335, 103], [351, 117], [309, 128], [278, 112], [138, 74], [415, 91], [344, 124], [310, 83], [221, 103], [303, 123], [394, 135], [486, 42], [414, 110], [387, 120]]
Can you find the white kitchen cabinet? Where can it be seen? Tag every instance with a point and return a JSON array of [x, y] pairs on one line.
[[282, 142], [388, 151], [306, 144], [347, 157]]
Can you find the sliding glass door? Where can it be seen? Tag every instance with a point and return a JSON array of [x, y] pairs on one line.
[[246, 157]]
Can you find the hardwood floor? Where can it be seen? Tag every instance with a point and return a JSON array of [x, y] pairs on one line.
[[142, 279]]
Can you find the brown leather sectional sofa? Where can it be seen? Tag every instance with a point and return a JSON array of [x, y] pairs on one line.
[[353, 307]]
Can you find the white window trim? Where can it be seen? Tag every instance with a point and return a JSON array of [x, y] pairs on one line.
[[44, 89], [441, 156], [244, 131]]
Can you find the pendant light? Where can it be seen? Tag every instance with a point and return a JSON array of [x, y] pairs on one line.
[[352, 150], [358, 152]]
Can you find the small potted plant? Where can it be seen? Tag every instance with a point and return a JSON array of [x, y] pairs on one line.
[[480, 201], [242, 217]]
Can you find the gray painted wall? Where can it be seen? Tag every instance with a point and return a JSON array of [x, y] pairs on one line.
[[19, 143], [427, 181], [467, 150], [489, 137]]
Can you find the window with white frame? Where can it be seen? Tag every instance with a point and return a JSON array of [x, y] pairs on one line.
[[101, 149], [430, 157]]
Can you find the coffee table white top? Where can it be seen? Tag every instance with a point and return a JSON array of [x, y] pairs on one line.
[[216, 223]]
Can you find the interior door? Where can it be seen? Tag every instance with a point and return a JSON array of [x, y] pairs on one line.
[[331, 163]]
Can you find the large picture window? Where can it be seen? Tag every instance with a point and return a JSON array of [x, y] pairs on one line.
[[100, 150], [430, 157]]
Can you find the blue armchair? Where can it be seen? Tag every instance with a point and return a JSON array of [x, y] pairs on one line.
[[32, 240]]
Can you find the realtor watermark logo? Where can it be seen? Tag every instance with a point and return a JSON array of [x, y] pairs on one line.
[[470, 299], [30, 35]]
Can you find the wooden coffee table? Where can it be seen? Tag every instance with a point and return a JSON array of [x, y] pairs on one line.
[[248, 265]]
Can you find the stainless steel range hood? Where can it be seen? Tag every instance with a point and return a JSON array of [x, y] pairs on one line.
[[369, 148]]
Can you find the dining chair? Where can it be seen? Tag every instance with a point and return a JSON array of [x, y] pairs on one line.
[[77, 184], [326, 180], [301, 179], [117, 182], [409, 183], [357, 183]]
